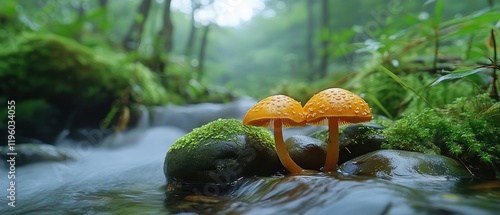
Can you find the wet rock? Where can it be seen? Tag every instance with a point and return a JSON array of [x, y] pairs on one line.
[[221, 152], [404, 165], [355, 140], [31, 153], [307, 152]]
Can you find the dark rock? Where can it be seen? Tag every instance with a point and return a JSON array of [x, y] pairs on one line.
[[221, 152], [307, 152], [355, 140], [404, 165], [31, 153]]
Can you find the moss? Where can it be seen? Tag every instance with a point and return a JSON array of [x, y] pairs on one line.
[[223, 130], [61, 70], [30, 109], [467, 129], [9, 22], [324, 134]]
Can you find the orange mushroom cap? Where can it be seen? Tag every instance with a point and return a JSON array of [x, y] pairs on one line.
[[277, 107], [339, 103]]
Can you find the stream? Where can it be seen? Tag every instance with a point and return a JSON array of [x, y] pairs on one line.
[[123, 174]]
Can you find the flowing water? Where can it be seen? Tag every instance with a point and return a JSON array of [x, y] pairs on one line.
[[124, 175]]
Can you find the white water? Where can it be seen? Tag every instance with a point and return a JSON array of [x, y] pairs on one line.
[[126, 166], [75, 185]]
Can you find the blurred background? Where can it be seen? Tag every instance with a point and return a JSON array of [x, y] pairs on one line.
[[68, 62], [102, 88]]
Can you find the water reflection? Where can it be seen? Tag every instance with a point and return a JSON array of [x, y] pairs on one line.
[[321, 193]]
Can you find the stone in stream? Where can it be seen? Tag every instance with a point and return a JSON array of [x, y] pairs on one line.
[[307, 152], [28, 153], [220, 152], [404, 165], [355, 140]]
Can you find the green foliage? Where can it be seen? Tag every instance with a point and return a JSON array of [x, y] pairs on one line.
[[30, 109], [388, 93], [387, 97], [180, 79], [302, 90], [9, 24], [456, 75], [61, 70], [145, 85], [416, 56], [466, 129]]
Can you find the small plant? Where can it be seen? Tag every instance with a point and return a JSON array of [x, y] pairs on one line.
[[409, 68], [467, 129]]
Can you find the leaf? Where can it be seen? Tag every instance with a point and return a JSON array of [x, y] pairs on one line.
[[493, 112], [110, 116], [475, 18], [379, 105], [428, 2], [438, 12], [404, 84], [455, 75]]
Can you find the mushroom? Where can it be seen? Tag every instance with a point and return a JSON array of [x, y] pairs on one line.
[[335, 106], [276, 112]]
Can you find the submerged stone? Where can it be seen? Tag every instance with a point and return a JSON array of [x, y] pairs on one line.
[[220, 152], [404, 165], [307, 152]]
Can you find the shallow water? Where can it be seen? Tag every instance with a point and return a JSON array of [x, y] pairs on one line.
[[128, 178], [324, 194]]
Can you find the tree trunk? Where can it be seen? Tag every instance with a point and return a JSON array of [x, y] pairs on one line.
[[325, 39], [203, 49], [163, 42], [80, 10], [168, 29], [103, 3], [134, 35], [310, 39], [192, 32]]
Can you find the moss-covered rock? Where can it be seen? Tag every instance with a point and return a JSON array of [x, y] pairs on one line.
[[221, 152], [466, 129], [78, 84], [63, 71]]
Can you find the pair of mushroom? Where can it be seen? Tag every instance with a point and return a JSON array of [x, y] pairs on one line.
[[334, 106]]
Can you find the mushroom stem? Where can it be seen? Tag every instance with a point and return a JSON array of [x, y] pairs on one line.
[[283, 155], [332, 152]]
